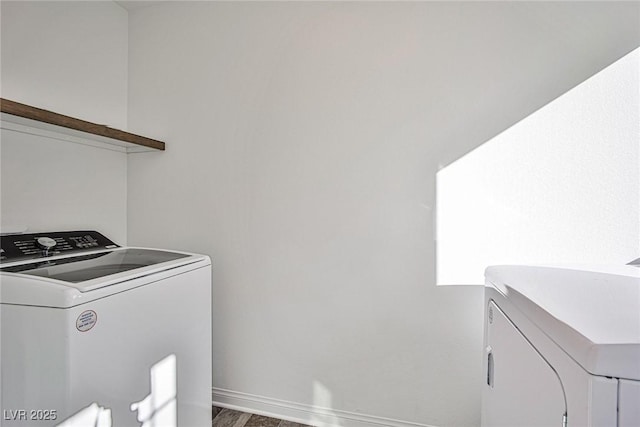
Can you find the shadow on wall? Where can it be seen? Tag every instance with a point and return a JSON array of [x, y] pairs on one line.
[[561, 186]]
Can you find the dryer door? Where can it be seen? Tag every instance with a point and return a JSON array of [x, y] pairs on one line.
[[520, 387]]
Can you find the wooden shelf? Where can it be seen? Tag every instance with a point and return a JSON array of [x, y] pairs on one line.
[[39, 115]]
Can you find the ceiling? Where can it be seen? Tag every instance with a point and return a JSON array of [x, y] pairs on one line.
[[131, 5]]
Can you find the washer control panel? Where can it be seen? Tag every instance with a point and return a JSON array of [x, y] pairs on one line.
[[16, 247]]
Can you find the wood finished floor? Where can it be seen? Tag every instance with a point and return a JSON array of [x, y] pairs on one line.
[[223, 417]]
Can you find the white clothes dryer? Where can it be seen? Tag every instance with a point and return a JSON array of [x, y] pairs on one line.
[[101, 335], [562, 346]]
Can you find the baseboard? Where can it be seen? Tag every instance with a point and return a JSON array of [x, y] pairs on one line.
[[301, 413]]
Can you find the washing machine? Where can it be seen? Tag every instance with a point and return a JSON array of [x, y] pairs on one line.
[[95, 334], [561, 346]]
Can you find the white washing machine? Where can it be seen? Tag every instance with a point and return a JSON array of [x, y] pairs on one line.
[[562, 346], [94, 334]]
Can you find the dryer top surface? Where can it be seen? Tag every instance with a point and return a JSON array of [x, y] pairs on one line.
[[592, 312]]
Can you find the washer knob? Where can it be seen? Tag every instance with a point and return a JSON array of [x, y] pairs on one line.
[[46, 243]]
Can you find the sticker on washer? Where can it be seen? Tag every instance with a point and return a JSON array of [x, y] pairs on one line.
[[86, 320]]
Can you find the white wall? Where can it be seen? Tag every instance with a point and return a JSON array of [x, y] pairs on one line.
[[53, 184], [303, 144], [561, 186], [67, 56], [71, 58]]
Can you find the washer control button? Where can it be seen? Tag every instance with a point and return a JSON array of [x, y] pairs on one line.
[[46, 243]]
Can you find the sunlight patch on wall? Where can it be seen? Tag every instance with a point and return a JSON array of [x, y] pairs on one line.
[[323, 402], [561, 186]]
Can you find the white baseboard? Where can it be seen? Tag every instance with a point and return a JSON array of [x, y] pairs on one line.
[[301, 413]]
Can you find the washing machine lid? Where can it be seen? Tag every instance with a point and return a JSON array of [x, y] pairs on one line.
[[83, 268], [65, 281], [60, 268], [591, 312]]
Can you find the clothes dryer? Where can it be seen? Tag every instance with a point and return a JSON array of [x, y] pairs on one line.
[[562, 346]]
